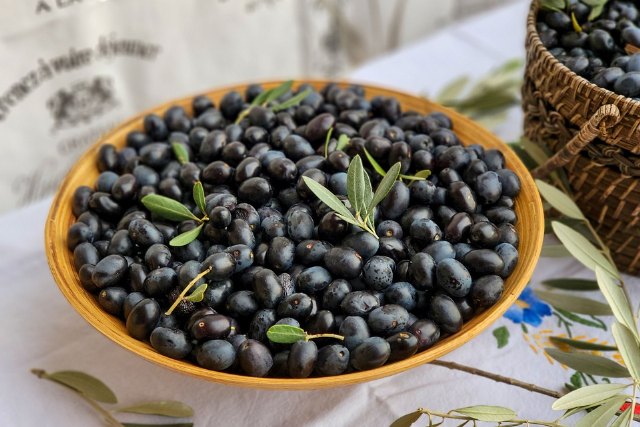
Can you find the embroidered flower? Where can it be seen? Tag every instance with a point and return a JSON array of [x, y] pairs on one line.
[[528, 309]]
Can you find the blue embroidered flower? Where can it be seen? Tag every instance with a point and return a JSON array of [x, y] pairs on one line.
[[528, 309]]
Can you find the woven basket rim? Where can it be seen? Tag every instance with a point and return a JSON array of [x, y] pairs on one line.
[[549, 58]]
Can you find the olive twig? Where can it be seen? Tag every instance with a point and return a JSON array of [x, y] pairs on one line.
[[186, 289]]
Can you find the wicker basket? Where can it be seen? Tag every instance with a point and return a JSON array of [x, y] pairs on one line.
[[595, 135]]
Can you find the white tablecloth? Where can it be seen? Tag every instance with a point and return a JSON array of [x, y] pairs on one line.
[[40, 330]]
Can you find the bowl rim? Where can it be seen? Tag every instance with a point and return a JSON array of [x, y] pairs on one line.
[[103, 322]]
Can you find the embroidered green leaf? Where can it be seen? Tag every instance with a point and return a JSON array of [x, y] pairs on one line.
[[595, 323], [186, 237], [167, 208], [502, 336], [582, 345], [589, 363]]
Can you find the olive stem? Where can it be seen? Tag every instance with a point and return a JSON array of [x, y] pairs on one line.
[[497, 378], [632, 408], [186, 289], [451, 416], [314, 336]]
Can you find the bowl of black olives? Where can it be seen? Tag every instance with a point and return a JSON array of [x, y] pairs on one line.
[[295, 235]]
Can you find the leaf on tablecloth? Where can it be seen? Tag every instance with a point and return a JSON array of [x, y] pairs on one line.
[[407, 419], [487, 413], [574, 304], [86, 384], [589, 363], [588, 395], [502, 336], [167, 408]]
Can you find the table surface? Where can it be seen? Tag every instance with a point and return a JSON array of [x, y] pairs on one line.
[[40, 330]]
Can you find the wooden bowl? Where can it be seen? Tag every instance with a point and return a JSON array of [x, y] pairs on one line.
[[530, 227]]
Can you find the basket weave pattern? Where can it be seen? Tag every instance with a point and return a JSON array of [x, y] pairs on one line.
[[605, 175]]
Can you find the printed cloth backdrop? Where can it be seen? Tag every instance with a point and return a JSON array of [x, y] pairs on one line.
[[72, 69]]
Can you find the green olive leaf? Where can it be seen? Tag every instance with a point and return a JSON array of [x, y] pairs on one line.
[[575, 304], [452, 90], [157, 425], [180, 152], [407, 420], [588, 395], [629, 348], [376, 166], [419, 176], [285, 334], [291, 102], [199, 198], [581, 248], [589, 364], [343, 142], [326, 142], [385, 186], [167, 208], [597, 7], [557, 5], [601, 415], [186, 237], [624, 419], [617, 299], [83, 383], [570, 284], [358, 187], [198, 294], [328, 198], [487, 413], [554, 251], [574, 21], [276, 92], [167, 408], [582, 345], [559, 200]]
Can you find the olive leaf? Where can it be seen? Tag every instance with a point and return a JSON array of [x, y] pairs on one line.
[[559, 200], [601, 415], [588, 395], [629, 349], [198, 197], [157, 425], [419, 176], [487, 413], [275, 93], [328, 198], [343, 142], [554, 251], [358, 187], [167, 408], [407, 420], [582, 345], [291, 102], [198, 294], [167, 208], [617, 299], [574, 22], [186, 237], [583, 250], [589, 363], [597, 7], [624, 419], [452, 90], [575, 304], [376, 166], [83, 383], [285, 334], [557, 5], [570, 284], [326, 142], [385, 186], [180, 152]]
